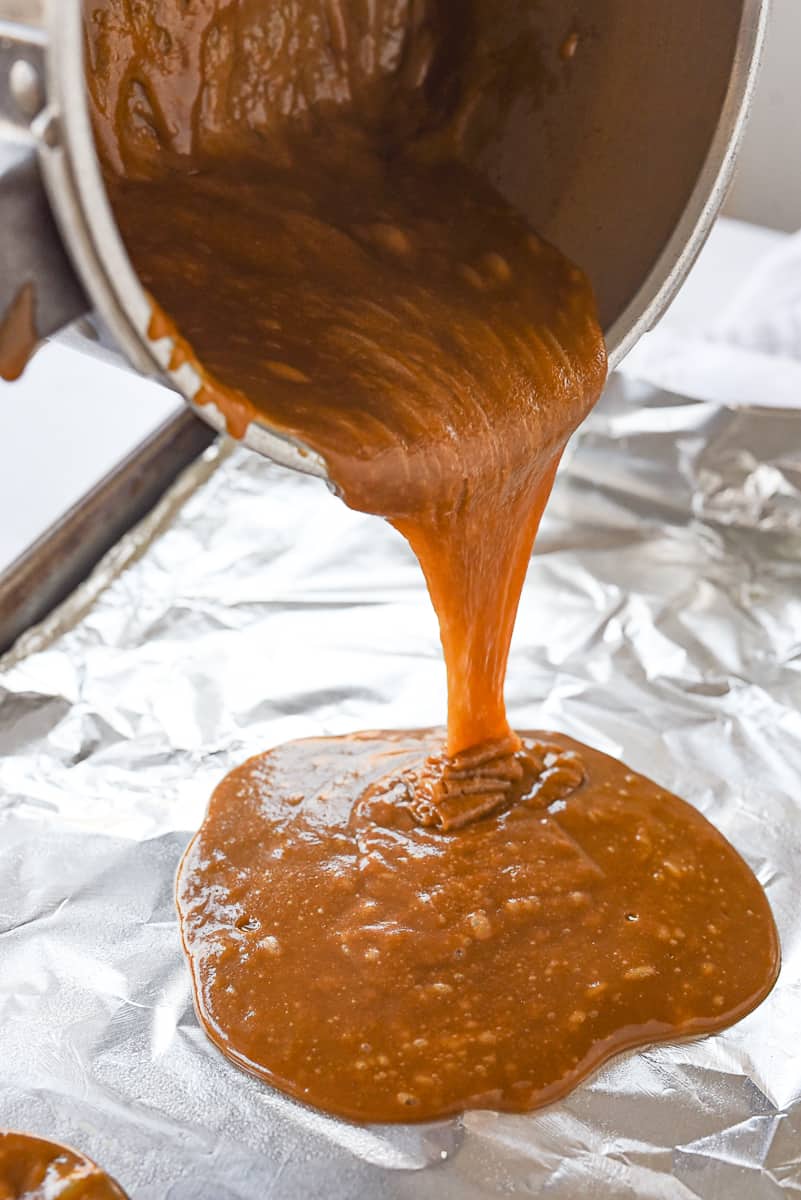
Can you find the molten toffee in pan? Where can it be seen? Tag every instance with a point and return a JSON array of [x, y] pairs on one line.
[[397, 926]]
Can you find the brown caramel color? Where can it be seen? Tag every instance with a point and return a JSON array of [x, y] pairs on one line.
[[406, 325], [400, 926], [18, 336], [33, 1169], [291, 194], [384, 971]]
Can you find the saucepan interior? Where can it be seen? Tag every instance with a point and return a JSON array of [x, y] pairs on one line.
[[612, 126]]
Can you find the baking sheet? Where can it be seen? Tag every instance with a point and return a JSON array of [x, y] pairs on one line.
[[661, 622]]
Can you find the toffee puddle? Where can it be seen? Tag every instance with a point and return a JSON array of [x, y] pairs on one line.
[[385, 971], [32, 1168]]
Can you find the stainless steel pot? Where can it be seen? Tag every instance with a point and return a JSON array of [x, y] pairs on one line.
[[626, 166]]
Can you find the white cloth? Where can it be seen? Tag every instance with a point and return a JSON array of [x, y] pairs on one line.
[[742, 351]]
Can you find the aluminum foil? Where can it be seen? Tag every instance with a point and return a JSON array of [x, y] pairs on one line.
[[661, 622]]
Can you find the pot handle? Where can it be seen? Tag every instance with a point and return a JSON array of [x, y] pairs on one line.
[[31, 250], [40, 292]]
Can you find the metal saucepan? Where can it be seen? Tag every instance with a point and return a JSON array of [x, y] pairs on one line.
[[625, 167]]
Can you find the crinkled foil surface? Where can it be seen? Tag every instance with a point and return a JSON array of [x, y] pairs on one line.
[[661, 622]]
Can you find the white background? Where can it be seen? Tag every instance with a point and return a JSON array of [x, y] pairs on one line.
[[768, 185]]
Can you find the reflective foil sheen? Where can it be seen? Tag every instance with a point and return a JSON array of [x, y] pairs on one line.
[[661, 623]]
